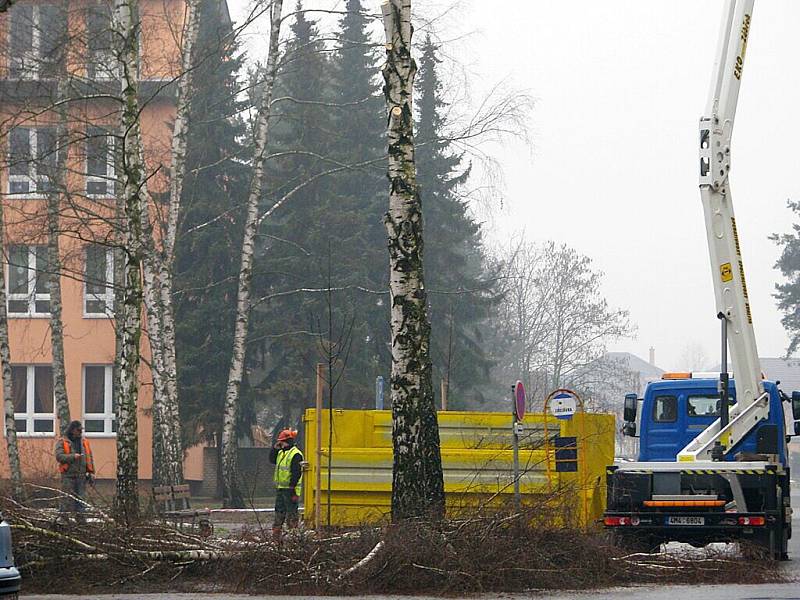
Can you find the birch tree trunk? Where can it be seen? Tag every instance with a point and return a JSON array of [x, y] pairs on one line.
[[230, 472], [5, 363], [167, 450], [58, 187], [163, 469], [417, 482], [132, 204]]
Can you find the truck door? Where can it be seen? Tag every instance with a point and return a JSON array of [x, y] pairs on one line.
[[664, 429]]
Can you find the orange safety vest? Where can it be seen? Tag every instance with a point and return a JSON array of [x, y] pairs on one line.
[[64, 467]]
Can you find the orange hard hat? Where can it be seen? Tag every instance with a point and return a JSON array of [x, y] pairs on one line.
[[287, 434]]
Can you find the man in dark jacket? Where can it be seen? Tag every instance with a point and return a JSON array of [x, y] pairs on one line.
[[76, 465], [288, 461]]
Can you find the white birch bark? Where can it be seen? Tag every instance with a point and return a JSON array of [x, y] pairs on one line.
[[167, 451], [417, 482], [230, 472], [5, 363], [162, 467], [58, 187], [132, 203]]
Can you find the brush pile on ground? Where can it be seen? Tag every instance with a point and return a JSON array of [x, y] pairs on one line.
[[492, 553]]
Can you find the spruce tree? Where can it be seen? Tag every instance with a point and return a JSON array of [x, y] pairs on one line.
[[455, 266], [210, 232], [330, 232], [360, 137], [788, 294], [293, 246]]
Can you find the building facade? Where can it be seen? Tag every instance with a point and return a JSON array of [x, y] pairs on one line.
[[59, 113]]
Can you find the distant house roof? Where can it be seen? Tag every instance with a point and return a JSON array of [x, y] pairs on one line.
[[787, 371], [637, 365]]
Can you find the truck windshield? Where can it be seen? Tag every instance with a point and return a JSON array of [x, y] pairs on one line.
[[706, 405]]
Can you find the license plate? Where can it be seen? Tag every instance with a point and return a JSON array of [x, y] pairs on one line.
[[686, 521]]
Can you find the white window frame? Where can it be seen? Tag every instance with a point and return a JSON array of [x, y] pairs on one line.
[[29, 416], [108, 416], [33, 177], [108, 296], [31, 60], [105, 63], [110, 177], [31, 297]]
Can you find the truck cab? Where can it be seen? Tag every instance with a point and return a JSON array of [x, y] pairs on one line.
[[675, 410]]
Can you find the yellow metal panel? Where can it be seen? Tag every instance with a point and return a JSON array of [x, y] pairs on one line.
[[476, 457]]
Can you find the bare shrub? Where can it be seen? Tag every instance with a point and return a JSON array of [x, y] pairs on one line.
[[499, 552]]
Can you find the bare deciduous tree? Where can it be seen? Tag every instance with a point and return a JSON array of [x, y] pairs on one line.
[[5, 364], [230, 472], [554, 318]]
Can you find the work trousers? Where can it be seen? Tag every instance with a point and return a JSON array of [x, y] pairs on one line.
[[74, 489], [285, 509]]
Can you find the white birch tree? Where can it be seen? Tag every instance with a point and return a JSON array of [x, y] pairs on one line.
[[417, 480], [133, 204], [54, 265], [5, 363], [169, 462], [230, 473]]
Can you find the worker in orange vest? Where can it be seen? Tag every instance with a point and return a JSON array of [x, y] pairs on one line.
[[76, 465]]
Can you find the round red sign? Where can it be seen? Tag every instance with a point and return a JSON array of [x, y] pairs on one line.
[[519, 397]]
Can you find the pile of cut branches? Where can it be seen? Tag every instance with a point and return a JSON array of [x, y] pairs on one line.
[[492, 553]]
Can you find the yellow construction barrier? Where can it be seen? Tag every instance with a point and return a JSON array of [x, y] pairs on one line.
[[568, 463]]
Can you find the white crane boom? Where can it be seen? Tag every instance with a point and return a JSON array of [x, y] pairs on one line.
[[727, 268]]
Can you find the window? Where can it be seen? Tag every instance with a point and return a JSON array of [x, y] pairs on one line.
[[98, 297], [32, 390], [99, 405], [38, 38], [665, 409], [28, 280], [706, 405], [33, 158], [100, 175], [101, 62]]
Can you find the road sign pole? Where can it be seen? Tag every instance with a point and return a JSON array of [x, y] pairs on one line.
[[515, 443]]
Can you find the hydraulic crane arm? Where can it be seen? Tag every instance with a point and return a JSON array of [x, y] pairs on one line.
[[727, 268]]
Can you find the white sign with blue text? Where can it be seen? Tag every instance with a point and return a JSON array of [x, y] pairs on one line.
[[563, 405]]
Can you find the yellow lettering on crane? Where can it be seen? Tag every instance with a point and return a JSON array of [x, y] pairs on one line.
[[736, 237], [743, 35], [726, 272]]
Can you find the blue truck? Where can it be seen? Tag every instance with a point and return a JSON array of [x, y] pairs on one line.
[[712, 463], [743, 497]]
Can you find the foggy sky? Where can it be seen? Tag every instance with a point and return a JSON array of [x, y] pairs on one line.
[[612, 170]]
